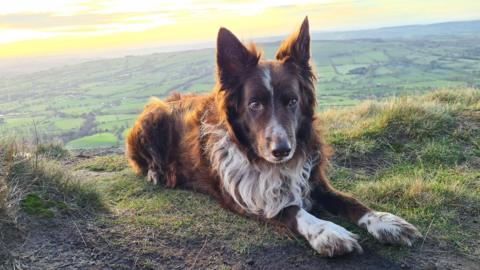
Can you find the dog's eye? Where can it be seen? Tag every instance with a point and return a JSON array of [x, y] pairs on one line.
[[292, 102], [255, 106]]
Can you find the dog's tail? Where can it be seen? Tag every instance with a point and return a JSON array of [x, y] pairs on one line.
[[149, 137], [134, 150]]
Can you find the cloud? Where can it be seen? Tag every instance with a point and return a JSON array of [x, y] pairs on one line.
[[51, 20], [87, 24], [59, 7], [16, 35], [89, 17], [35, 27]]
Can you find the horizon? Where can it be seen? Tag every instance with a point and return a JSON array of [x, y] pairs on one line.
[[90, 28], [192, 46], [12, 66]]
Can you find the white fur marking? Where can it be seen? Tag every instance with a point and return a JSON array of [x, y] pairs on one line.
[[325, 237], [267, 79], [275, 129], [152, 176], [263, 188], [389, 228]]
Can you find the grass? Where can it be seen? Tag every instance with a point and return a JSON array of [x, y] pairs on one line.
[[104, 164], [420, 129], [182, 214], [414, 156], [417, 157], [54, 150], [34, 204], [68, 123], [100, 140], [37, 181], [33, 182]]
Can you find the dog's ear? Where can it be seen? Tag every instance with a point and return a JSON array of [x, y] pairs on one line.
[[295, 52], [234, 60], [297, 47]]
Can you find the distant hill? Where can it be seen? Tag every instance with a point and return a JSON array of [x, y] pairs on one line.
[[461, 28], [104, 96], [464, 28]]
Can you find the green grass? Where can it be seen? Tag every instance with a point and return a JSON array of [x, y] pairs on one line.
[[180, 213], [101, 140], [405, 128], [54, 150], [26, 122], [33, 184], [104, 164], [114, 117], [417, 157], [68, 123], [183, 214], [33, 204], [115, 121], [40, 184], [414, 156]]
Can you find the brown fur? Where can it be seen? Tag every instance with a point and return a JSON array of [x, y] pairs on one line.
[[167, 143], [166, 137]]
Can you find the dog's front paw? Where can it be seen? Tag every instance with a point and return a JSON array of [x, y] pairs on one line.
[[388, 228], [153, 176], [329, 239]]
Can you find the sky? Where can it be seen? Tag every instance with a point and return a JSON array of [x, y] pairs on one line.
[[58, 27]]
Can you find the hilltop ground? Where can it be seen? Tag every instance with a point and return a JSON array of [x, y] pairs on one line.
[[418, 157]]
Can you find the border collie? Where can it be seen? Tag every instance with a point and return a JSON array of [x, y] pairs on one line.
[[255, 145]]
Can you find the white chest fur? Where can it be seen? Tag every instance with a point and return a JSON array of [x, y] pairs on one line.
[[262, 189]]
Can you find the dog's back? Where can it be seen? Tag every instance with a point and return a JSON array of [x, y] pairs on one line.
[[153, 146], [155, 116]]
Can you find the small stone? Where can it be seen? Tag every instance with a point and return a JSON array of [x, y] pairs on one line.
[[250, 261], [238, 266], [442, 244], [430, 266]]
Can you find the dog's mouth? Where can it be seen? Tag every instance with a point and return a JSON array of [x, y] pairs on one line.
[[266, 155], [276, 160]]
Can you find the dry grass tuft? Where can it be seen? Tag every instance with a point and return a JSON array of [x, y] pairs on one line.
[[417, 156], [34, 183]]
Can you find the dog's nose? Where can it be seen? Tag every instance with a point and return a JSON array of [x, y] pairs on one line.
[[280, 150]]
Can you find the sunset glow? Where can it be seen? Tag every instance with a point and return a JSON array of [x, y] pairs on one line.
[[35, 28]]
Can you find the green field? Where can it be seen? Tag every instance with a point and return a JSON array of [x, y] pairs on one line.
[[99, 140], [75, 101]]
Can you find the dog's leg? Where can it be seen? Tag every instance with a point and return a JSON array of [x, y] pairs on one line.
[[327, 238], [153, 174], [385, 227], [158, 138]]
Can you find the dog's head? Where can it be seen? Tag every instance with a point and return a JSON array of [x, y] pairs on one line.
[[268, 104]]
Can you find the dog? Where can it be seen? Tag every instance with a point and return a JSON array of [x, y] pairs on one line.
[[255, 145]]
